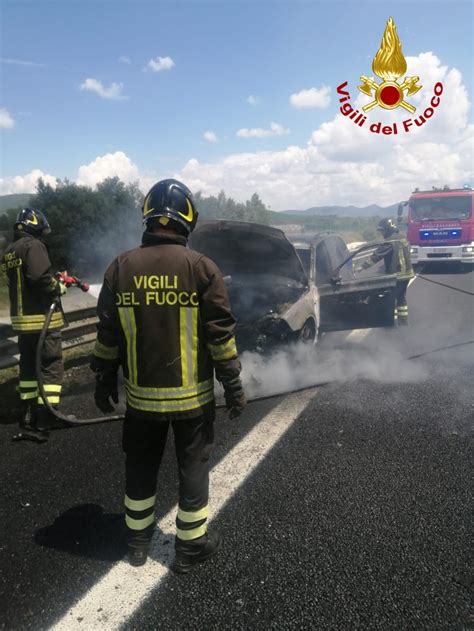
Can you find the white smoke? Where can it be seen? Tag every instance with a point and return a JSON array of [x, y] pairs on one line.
[[94, 290], [299, 366]]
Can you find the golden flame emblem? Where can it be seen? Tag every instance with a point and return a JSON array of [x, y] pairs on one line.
[[389, 64]]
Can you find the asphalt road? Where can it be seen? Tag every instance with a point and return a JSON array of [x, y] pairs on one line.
[[343, 507]]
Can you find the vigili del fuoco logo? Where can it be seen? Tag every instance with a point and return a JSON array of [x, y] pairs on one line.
[[393, 92]]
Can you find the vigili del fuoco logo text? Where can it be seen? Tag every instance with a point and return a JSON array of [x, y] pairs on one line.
[[390, 65]]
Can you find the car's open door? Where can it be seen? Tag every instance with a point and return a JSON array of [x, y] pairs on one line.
[[348, 301]]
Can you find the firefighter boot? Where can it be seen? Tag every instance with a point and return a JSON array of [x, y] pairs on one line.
[[139, 545], [189, 553], [28, 424], [47, 420], [138, 555]]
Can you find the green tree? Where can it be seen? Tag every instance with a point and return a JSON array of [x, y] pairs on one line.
[[223, 207], [256, 211], [89, 227]]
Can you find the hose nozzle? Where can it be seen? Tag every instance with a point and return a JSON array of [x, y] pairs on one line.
[[72, 281]]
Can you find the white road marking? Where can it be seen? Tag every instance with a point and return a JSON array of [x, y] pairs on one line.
[[118, 594], [358, 335]]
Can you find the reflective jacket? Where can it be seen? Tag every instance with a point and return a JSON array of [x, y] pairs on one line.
[[164, 316], [396, 255], [31, 284]]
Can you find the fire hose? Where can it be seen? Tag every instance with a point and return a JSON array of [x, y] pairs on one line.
[[69, 281], [436, 282]]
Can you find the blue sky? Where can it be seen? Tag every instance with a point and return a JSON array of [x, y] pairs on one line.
[[218, 55]]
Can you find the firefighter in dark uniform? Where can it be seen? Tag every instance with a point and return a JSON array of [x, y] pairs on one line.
[[395, 253], [165, 318], [32, 288]]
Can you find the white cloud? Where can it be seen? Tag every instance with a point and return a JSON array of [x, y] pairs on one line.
[[210, 136], [346, 164], [113, 92], [21, 62], [24, 183], [125, 60], [275, 130], [112, 164], [253, 100], [314, 97], [109, 165], [160, 63], [6, 119]]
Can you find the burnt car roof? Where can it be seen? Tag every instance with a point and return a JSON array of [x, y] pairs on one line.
[[244, 247]]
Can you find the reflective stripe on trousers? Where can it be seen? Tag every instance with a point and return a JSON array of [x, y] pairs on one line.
[[28, 389], [52, 392], [139, 514], [191, 524]]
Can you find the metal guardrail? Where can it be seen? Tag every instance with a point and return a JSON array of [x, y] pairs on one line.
[[80, 330]]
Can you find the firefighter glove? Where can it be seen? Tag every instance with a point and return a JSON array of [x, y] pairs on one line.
[[105, 389], [234, 395], [57, 288]]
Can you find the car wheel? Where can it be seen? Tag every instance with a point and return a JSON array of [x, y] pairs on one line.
[[307, 334]]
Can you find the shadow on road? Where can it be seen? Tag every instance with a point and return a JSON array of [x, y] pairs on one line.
[[86, 531]]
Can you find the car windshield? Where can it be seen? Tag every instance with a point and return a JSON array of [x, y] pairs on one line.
[[442, 207], [305, 258]]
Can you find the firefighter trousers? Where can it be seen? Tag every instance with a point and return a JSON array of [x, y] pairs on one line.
[[401, 305], [144, 444], [52, 370]]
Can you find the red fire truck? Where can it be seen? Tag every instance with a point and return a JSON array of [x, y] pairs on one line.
[[440, 225]]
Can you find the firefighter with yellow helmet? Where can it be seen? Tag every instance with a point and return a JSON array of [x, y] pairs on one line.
[[395, 253], [165, 318], [32, 288]]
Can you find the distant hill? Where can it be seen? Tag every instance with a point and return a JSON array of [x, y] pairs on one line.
[[347, 211], [22, 199], [14, 201]]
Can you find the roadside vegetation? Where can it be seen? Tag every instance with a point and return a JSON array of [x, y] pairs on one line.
[[91, 226]]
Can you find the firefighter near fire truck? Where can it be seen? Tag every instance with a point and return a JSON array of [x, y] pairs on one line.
[[165, 319], [33, 288], [395, 253]]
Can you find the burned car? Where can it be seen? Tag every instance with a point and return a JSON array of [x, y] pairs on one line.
[[282, 291]]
